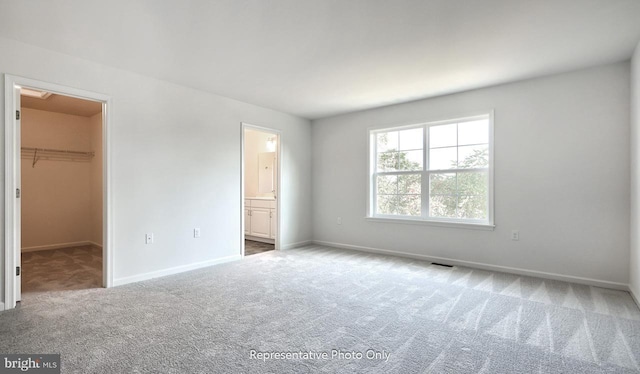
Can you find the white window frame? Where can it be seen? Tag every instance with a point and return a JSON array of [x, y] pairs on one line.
[[372, 215]]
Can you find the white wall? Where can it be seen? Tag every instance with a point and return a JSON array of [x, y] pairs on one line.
[[635, 175], [561, 176], [175, 162], [255, 142], [56, 195]]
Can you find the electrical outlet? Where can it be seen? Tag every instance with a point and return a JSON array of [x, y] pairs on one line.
[[515, 235], [339, 221], [148, 238], [196, 232]]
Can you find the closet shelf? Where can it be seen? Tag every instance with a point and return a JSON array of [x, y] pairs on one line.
[[54, 155]]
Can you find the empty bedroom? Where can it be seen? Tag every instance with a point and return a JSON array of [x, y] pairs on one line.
[[299, 186]]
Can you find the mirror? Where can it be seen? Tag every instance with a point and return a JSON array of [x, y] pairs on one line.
[[266, 172]]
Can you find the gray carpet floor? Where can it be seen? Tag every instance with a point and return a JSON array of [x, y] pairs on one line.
[[313, 300]]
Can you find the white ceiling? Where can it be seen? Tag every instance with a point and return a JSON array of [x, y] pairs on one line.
[[316, 58]]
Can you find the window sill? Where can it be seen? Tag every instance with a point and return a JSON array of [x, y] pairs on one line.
[[449, 224]]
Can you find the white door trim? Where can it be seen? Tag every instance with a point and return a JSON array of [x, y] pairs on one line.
[[278, 133], [12, 163]]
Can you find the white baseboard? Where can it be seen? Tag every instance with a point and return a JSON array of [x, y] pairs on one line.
[[95, 244], [1, 305], [483, 266], [173, 270], [59, 245], [296, 245], [634, 295]]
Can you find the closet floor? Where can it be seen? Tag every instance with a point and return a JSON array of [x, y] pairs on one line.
[[62, 269], [252, 247]]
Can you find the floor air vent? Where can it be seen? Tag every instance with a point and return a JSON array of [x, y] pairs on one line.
[[437, 264]]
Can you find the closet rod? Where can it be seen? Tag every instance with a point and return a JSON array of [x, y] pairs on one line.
[[61, 151], [54, 154]]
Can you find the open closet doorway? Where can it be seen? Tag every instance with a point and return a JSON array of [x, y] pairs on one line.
[[260, 189], [61, 199], [57, 221]]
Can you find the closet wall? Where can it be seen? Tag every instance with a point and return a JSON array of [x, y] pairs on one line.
[[95, 127], [61, 200]]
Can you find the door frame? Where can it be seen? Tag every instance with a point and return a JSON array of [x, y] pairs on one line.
[[246, 126], [12, 179]]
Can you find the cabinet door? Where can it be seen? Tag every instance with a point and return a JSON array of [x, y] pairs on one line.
[[274, 223], [247, 221], [260, 225]]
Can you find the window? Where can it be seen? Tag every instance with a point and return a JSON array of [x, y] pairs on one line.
[[439, 171]]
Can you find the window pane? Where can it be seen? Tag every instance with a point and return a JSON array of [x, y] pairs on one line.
[[387, 141], [473, 156], [457, 171], [473, 132], [410, 160], [387, 184], [443, 136], [411, 139], [387, 204], [443, 158], [388, 161], [472, 207], [409, 205], [444, 206], [410, 184], [442, 184], [473, 183]]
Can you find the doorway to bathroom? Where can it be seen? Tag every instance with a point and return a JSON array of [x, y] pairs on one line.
[[260, 190]]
